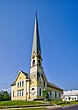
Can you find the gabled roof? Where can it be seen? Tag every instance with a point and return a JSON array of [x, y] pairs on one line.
[[54, 86], [70, 93], [26, 74], [14, 83]]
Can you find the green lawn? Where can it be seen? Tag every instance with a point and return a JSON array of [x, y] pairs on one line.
[[4, 104], [20, 103], [35, 104], [63, 103]]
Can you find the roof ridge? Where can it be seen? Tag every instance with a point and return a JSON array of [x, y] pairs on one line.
[[52, 84]]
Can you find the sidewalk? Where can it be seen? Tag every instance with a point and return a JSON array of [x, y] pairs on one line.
[[54, 108], [44, 108]]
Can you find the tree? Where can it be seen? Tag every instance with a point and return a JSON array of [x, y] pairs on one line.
[[45, 94], [4, 96], [1, 98]]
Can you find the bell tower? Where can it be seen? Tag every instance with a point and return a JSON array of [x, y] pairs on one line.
[[37, 76]]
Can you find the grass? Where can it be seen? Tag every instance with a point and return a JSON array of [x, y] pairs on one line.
[[20, 103], [35, 104], [63, 103], [23, 103]]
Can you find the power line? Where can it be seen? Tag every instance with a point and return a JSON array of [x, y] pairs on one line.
[[5, 84]]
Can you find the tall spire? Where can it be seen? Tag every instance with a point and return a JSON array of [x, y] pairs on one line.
[[36, 40]]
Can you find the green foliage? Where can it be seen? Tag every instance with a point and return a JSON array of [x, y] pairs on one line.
[[45, 94], [1, 97], [4, 96]]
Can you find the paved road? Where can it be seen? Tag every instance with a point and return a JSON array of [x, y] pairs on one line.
[[74, 107]]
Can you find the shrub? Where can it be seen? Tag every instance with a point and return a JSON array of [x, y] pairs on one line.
[[45, 94]]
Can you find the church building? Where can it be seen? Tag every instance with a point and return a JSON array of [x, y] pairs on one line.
[[30, 86]]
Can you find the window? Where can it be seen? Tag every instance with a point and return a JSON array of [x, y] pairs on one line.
[[33, 62], [13, 93], [18, 93], [39, 56], [65, 98], [32, 89], [44, 83], [55, 95], [39, 63], [22, 92], [42, 76], [17, 84], [38, 74], [40, 91], [72, 98], [50, 94], [22, 83], [69, 98], [59, 95]]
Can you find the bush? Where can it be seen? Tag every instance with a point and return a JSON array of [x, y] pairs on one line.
[[45, 94], [4, 96]]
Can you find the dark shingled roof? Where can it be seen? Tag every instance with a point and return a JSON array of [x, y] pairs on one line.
[[14, 83], [26, 74], [54, 86]]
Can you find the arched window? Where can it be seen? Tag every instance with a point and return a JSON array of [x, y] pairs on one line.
[[39, 63], [44, 83], [50, 93], [40, 91], [69, 98], [33, 62], [32, 89]]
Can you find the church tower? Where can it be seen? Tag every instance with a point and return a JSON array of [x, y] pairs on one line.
[[37, 75], [30, 86]]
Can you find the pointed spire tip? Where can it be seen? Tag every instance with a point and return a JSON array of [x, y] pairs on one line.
[[36, 12]]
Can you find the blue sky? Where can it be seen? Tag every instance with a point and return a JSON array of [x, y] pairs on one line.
[[58, 28]]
